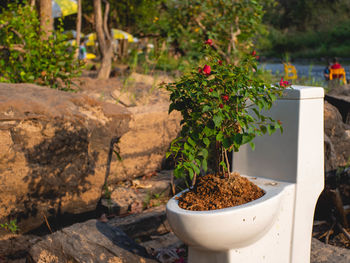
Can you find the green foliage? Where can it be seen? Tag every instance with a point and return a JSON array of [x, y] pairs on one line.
[[221, 106], [186, 24], [26, 57], [12, 226], [307, 29]]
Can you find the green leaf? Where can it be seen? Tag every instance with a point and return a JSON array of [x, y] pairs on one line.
[[217, 120], [118, 155], [206, 108], [227, 143], [191, 142], [204, 153], [204, 165], [252, 145], [219, 136], [207, 131], [195, 168], [206, 141], [246, 137], [271, 129]]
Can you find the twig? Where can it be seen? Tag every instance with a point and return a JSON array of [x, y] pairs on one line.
[[47, 223], [335, 194], [346, 233], [329, 232], [227, 163]]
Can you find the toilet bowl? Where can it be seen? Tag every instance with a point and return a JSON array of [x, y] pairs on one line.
[[213, 235], [275, 228]]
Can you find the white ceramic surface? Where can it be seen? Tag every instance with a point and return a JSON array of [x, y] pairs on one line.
[[208, 230], [281, 230]]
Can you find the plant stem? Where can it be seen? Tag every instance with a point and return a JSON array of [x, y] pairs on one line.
[[227, 163], [194, 179]]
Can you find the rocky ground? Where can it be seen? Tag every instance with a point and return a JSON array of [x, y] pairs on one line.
[[128, 115]]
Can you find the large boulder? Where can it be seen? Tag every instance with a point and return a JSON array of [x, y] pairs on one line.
[[53, 151], [91, 241], [337, 138], [143, 147]]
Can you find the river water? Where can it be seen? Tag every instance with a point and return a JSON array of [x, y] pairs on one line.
[[303, 70]]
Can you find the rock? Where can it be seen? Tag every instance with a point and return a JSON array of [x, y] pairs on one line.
[[337, 141], [152, 221], [144, 146], [14, 248], [150, 80], [322, 253], [143, 191], [91, 241], [54, 148], [125, 98]]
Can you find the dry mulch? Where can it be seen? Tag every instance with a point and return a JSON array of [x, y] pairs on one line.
[[215, 192]]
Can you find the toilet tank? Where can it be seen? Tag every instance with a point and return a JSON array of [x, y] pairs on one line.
[[295, 155]]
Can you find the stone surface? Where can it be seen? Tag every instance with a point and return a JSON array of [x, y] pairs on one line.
[[91, 241], [150, 222], [337, 141], [322, 253], [53, 151], [147, 191], [144, 146]]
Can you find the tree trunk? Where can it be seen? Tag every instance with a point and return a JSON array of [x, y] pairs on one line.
[[78, 28], [46, 21], [104, 39]]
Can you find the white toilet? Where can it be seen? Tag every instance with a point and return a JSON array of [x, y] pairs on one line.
[[289, 167]]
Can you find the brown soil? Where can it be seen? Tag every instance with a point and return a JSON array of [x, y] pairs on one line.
[[214, 192]]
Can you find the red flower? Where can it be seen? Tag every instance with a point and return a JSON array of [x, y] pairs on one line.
[[220, 62], [253, 53], [279, 122], [221, 106], [284, 83], [209, 42], [206, 70], [225, 97], [199, 70], [210, 90]]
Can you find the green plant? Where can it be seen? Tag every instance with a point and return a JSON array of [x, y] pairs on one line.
[[222, 108], [12, 226], [28, 55]]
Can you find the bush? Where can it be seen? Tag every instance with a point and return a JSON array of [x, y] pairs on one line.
[[25, 57]]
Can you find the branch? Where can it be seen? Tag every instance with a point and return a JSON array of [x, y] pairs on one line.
[[3, 25], [16, 47], [105, 20], [90, 19], [205, 31]]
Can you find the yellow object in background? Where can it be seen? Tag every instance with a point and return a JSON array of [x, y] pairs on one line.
[[90, 56], [290, 71], [338, 73]]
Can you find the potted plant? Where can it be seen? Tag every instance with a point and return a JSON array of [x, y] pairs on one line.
[[222, 107]]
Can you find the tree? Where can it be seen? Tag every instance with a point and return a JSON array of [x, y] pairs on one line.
[[233, 24], [45, 14], [104, 39], [78, 27], [26, 58]]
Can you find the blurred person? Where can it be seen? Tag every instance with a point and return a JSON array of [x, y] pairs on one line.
[[335, 64], [327, 71], [82, 51]]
